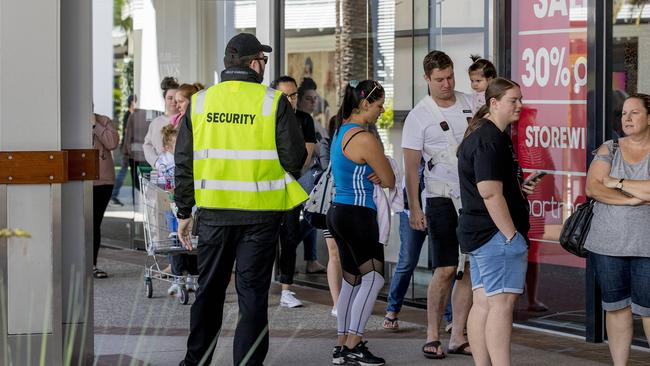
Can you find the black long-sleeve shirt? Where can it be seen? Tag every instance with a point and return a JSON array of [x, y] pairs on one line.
[[291, 152]]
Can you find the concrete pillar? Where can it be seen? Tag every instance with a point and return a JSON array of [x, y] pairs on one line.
[[86, 74], [45, 104], [30, 120]]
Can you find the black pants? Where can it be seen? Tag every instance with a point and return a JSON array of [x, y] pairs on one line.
[[253, 247], [289, 240], [101, 196], [184, 262]]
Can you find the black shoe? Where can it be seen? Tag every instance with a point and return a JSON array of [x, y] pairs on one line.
[[116, 202], [337, 359], [360, 355]]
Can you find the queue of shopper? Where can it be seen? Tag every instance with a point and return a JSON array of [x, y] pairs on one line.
[[247, 178]]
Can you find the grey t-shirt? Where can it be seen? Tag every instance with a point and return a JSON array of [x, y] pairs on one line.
[[621, 231]]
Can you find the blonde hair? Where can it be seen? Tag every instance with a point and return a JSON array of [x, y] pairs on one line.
[[187, 90], [168, 134]]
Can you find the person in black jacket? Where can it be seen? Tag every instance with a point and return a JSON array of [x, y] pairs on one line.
[[226, 235]]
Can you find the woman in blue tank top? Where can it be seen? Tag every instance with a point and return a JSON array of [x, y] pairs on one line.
[[358, 163]]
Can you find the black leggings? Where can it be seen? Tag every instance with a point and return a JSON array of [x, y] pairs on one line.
[[356, 233], [101, 196]]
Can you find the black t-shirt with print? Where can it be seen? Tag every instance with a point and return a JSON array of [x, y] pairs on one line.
[[487, 154]]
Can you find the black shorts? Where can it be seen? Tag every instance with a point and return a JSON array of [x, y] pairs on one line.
[[356, 233], [442, 221]]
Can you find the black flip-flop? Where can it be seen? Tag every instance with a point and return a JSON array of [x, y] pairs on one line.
[[98, 273], [460, 350], [433, 355], [393, 321]]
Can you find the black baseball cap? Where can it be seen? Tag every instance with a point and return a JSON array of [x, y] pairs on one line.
[[245, 44]]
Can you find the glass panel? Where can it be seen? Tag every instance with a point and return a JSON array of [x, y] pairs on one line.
[[420, 13], [549, 50], [359, 45], [173, 38], [459, 47], [631, 65], [397, 33], [462, 13]]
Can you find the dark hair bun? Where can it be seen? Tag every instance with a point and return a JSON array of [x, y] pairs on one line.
[[475, 57], [169, 82]]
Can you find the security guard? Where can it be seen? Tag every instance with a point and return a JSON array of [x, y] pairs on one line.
[[236, 148]]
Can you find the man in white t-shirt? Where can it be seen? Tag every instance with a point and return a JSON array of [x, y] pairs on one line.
[[432, 131]]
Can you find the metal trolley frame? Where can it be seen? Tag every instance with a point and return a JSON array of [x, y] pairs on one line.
[[160, 235]]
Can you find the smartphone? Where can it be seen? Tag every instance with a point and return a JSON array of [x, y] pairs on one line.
[[534, 177]]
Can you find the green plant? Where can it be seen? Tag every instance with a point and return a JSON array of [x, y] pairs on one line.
[[387, 119]]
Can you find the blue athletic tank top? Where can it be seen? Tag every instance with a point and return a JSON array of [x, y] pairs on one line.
[[350, 178]]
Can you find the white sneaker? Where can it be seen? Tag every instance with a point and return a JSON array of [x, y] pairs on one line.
[[174, 289], [191, 284], [288, 300], [334, 313]]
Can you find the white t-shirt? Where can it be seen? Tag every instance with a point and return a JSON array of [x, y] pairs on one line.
[[421, 129]]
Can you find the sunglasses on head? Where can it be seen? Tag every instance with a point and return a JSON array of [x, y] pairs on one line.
[[355, 84]]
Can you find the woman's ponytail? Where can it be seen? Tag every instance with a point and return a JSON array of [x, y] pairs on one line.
[[477, 121]]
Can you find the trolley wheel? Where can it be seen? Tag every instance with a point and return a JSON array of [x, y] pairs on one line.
[[148, 287], [183, 296]]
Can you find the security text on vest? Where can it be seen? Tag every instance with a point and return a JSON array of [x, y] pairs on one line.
[[239, 118]]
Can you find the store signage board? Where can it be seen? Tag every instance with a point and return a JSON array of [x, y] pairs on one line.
[[549, 58]]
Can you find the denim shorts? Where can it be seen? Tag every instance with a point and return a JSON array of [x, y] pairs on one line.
[[624, 281], [500, 267]]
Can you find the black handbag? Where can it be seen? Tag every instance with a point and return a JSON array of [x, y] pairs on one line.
[[576, 228]]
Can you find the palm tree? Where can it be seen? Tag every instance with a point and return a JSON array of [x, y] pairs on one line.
[[354, 42]]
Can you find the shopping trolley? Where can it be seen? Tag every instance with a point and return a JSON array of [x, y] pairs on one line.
[[160, 234]]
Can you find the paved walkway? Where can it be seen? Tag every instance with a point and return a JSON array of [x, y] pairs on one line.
[[133, 330]]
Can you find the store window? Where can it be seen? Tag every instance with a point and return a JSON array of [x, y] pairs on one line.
[[385, 40], [176, 38], [549, 61]]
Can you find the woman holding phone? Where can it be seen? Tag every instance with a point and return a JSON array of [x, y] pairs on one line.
[[493, 225]]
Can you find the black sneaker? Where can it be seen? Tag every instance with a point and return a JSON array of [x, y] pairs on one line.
[[337, 359], [360, 355]]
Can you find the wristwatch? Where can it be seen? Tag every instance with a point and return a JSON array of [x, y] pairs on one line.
[[183, 214], [619, 185]]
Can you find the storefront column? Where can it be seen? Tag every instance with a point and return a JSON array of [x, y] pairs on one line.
[[80, 38], [45, 105], [30, 120]]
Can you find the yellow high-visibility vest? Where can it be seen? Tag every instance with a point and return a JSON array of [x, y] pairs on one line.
[[236, 163]]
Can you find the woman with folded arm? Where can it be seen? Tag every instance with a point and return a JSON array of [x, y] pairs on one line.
[[619, 180]]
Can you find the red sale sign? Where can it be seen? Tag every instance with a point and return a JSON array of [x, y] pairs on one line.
[[549, 52]]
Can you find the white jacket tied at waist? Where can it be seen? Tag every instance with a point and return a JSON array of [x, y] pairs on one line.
[[394, 201]]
